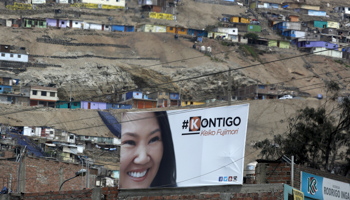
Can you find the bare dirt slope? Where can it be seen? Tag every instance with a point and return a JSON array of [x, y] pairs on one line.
[[98, 71]]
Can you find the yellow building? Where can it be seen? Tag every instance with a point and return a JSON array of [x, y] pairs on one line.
[[153, 28], [181, 30], [178, 30], [332, 24], [170, 29], [192, 103], [238, 19]]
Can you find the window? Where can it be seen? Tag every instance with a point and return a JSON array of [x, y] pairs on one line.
[[62, 22], [19, 56], [107, 27], [0, 88], [41, 23], [52, 94], [6, 47], [86, 137], [51, 132], [71, 137], [35, 92], [75, 104], [43, 93], [76, 23], [11, 55], [234, 31], [171, 28], [182, 30], [2, 55]]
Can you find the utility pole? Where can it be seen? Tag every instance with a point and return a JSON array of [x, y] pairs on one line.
[[229, 95], [87, 175], [257, 90], [180, 96], [70, 93], [10, 183]]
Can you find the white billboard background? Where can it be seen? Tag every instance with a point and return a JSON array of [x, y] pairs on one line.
[[335, 190], [202, 159]]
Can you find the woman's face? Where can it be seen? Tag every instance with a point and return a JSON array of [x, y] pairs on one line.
[[141, 150]]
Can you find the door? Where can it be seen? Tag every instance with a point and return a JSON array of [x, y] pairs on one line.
[[103, 27], [57, 23], [70, 23], [89, 105]]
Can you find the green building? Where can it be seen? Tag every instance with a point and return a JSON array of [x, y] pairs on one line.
[[253, 28], [65, 104], [320, 24], [30, 23]]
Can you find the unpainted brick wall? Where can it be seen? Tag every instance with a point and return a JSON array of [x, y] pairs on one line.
[[47, 175], [42, 175], [8, 168], [65, 195], [165, 193], [281, 173], [215, 196]]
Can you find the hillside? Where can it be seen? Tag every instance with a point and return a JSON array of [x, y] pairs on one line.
[[266, 119]]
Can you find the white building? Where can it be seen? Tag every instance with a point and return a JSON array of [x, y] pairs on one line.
[[92, 26], [327, 52], [38, 1], [106, 2], [44, 96], [77, 24], [15, 57], [32, 131], [229, 31]]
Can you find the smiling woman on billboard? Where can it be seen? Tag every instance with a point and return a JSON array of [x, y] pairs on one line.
[[147, 156]]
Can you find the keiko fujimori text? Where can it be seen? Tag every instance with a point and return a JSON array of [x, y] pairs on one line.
[[221, 132]]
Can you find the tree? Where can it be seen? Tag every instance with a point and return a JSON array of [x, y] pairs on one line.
[[315, 138], [252, 37]]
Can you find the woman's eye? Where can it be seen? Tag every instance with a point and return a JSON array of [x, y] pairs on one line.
[[129, 142], [155, 139]]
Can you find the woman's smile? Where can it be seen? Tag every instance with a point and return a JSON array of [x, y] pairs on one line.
[[138, 175]]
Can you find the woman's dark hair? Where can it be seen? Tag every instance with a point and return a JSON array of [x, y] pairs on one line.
[[166, 175]]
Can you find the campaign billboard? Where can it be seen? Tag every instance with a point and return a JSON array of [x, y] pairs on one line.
[[180, 148], [318, 187]]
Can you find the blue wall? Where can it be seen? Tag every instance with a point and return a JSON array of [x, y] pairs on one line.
[[5, 88], [317, 13], [130, 29], [200, 33], [136, 95], [118, 28], [174, 96]]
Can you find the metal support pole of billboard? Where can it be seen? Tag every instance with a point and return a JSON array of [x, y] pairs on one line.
[[229, 87], [292, 172], [291, 162]]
